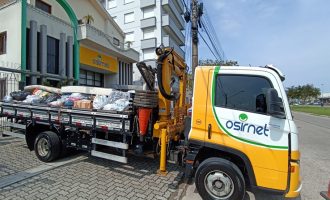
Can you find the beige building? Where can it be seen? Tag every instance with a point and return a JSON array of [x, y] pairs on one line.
[[99, 58]]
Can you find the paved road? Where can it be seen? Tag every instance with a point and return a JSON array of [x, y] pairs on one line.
[[23, 176], [91, 178], [314, 144]]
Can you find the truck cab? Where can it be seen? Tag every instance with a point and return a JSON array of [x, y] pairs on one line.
[[242, 133]]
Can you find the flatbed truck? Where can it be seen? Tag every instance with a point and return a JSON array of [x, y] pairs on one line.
[[241, 134]]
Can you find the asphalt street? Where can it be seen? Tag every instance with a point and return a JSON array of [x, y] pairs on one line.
[[314, 144]]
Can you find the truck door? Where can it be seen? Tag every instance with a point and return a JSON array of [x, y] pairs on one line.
[[240, 122]]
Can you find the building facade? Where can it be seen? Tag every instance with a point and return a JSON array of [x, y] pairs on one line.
[[148, 24], [104, 60]]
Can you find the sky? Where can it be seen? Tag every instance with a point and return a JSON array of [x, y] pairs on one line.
[[293, 35]]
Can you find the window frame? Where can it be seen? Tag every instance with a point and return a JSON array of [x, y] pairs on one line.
[[112, 6], [128, 34], [129, 14], [146, 15], [3, 43], [237, 75], [116, 41], [150, 32], [49, 11], [52, 55], [85, 79]]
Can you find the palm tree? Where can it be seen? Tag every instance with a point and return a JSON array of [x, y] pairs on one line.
[[129, 44], [88, 19]]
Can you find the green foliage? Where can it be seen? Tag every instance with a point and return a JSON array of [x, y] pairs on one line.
[[46, 83], [190, 83], [210, 62], [88, 19], [304, 92]]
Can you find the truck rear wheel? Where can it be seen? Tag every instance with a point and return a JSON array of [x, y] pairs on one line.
[[47, 146], [218, 178]]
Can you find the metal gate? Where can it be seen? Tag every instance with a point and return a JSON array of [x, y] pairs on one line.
[[9, 82]]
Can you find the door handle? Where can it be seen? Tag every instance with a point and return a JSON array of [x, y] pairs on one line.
[[209, 130]]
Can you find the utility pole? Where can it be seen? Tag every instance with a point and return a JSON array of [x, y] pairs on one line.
[[194, 35], [196, 13]]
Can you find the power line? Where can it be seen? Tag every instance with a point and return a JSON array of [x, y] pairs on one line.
[[213, 43], [214, 34], [208, 46]]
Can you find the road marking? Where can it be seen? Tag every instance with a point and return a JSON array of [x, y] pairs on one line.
[[20, 176]]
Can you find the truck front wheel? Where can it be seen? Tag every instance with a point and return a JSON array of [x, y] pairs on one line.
[[218, 178], [47, 146]]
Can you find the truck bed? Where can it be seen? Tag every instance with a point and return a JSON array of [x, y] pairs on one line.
[[89, 119]]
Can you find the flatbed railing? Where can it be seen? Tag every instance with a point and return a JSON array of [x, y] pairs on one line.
[[92, 119]]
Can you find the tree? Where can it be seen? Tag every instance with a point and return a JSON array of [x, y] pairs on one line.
[[305, 93], [88, 19], [129, 44], [210, 62]]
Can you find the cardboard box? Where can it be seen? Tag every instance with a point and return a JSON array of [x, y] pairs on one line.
[[83, 104]]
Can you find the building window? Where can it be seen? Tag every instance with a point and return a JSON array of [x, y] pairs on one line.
[[89, 78], [44, 6], [129, 17], [129, 37], [116, 41], [52, 55], [3, 43], [149, 54], [245, 93], [128, 1], [148, 12], [112, 3], [148, 33]]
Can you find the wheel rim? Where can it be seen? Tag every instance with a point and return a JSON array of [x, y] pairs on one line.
[[219, 185], [43, 147]]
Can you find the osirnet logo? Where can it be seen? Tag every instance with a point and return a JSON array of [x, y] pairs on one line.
[[245, 127], [243, 117]]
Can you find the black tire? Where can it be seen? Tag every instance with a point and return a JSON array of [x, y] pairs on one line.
[[231, 173], [53, 144]]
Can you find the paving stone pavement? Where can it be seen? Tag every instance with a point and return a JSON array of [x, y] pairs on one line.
[[90, 178], [15, 156]]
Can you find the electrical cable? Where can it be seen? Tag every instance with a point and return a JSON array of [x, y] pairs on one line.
[[207, 45]]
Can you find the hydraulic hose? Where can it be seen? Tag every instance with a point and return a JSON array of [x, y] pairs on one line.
[[160, 60]]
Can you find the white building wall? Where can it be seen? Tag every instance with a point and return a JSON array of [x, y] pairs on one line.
[[157, 11], [10, 21], [81, 9], [119, 12]]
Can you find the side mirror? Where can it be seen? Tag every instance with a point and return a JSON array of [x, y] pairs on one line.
[[274, 104]]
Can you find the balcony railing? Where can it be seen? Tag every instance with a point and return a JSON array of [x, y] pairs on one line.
[[5, 3], [89, 32]]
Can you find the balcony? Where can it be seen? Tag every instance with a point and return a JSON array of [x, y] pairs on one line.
[[93, 37], [149, 43], [168, 42], [147, 3], [179, 5], [171, 9], [6, 3], [171, 28], [149, 22]]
